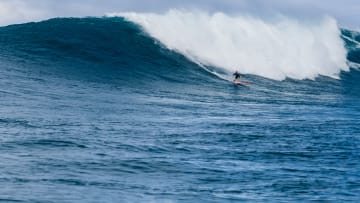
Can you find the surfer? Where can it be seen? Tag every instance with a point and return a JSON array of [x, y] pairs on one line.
[[237, 76]]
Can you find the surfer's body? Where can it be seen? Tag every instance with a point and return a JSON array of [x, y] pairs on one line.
[[237, 81], [237, 76]]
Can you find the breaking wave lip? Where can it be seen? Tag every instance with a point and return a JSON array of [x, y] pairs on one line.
[[286, 48]]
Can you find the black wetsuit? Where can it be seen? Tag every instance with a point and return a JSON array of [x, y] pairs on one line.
[[237, 75]]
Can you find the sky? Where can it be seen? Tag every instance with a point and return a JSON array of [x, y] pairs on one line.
[[347, 12]]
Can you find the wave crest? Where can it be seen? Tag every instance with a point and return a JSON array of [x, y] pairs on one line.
[[281, 49]]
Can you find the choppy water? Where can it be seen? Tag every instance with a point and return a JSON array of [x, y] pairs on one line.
[[93, 110]]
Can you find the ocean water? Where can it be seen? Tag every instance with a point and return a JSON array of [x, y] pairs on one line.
[[108, 110]]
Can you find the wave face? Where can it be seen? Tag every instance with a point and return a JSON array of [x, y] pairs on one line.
[[101, 110], [95, 44], [281, 49]]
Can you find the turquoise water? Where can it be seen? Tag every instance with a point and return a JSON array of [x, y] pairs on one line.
[[94, 110]]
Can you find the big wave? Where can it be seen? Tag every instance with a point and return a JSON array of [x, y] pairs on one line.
[[277, 49]]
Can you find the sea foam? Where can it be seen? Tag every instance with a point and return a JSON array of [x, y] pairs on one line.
[[277, 49]]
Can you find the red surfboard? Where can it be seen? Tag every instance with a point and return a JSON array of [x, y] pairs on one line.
[[242, 83]]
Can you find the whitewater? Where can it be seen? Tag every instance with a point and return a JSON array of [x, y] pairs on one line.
[[278, 49]]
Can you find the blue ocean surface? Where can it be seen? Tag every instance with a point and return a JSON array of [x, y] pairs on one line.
[[95, 110]]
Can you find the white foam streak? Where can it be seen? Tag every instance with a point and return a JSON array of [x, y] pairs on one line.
[[277, 50], [352, 40]]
